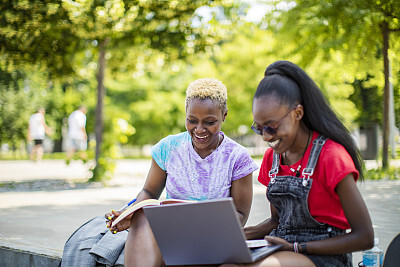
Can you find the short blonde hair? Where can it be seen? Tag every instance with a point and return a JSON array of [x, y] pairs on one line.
[[208, 88]]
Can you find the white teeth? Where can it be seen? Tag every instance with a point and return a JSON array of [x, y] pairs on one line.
[[201, 137], [272, 144]]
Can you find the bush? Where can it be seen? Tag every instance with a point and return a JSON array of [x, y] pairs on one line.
[[104, 170], [390, 173]]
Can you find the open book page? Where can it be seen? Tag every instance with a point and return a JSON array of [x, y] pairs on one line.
[[175, 201], [147, 202]]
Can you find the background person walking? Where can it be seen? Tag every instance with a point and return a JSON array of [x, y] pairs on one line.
[[37, 131], [77, 133]]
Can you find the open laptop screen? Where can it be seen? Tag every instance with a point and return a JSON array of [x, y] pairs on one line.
[[207, 232]]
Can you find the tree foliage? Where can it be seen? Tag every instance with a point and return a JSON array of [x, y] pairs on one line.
[[35, 32], [54, 33], [51, 51], [353, 27], [367, 97], [360, 29]]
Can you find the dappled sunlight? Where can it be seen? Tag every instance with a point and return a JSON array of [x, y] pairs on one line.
[[21, 170]]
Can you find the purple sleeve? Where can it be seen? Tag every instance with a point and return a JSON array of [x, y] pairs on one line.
[[244, 164]]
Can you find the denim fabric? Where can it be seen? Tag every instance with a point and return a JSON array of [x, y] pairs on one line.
[[93, 245], [289, 196]]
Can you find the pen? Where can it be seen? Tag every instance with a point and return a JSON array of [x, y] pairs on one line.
[[121, 209]]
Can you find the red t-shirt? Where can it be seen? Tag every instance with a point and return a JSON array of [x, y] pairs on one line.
[[333, 165]]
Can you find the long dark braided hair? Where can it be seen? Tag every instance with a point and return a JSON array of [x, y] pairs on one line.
[[289, 84]]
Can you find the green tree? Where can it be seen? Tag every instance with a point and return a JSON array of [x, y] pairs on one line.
[[366, 96], [20, 98], [120, 25], [35, 32], [36, 48], [359, 28], [239, 62], [55, 34]]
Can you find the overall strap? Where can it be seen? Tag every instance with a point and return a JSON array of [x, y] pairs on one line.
[[275, 166], [318, 143]]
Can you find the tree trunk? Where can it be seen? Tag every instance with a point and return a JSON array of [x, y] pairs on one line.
[[100, 95], [385, 125]]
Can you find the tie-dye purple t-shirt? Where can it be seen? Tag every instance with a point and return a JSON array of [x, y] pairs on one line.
[[191, 177]]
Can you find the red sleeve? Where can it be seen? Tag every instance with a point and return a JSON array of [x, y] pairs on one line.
[[335, 163]]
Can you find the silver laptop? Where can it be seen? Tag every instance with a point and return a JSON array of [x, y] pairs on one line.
[[207, 232]]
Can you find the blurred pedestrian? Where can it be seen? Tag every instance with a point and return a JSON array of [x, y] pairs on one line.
[[37, 131], [77, 133]]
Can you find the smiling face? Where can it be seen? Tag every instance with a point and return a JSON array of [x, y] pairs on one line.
[[267, 111], [203, 121]]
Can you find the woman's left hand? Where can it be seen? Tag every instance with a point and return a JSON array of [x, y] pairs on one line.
[[279, 241]]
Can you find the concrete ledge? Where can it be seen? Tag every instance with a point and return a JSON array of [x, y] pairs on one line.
[[14, 257]]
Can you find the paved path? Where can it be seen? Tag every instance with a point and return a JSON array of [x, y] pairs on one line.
[[41, 220]]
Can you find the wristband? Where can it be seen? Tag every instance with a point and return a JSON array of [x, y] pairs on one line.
[[303, 247], [296, 247]]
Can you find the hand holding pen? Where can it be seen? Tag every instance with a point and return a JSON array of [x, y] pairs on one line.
[[111, 216]]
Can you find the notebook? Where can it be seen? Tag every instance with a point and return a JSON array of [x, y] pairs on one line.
[[207, 232]]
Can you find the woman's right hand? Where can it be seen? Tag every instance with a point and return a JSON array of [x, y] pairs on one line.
[[155, 184], [252, 232], [262, 229], [124, 224]]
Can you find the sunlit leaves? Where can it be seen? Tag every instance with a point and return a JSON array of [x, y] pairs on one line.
[[345, 32], [29, 34], [92, 22]]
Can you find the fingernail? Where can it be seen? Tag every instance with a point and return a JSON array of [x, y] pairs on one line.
[[109, 218], [115, 232]]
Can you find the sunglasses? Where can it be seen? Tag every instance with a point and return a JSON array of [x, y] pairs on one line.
[[268, 129]]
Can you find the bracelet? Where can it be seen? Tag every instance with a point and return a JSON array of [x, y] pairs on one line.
[[296, 247], [303, 247]]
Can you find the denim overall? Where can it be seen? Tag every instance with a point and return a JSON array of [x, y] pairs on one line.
[[289, 196]]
